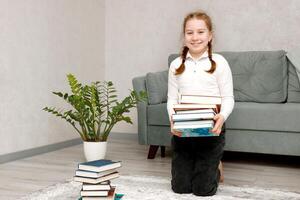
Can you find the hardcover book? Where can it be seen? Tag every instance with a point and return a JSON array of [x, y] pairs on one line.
[[99, 186], [209, 110], [99, 165], [94, 193], [178, 107], [200, 128], [96, 180], [92, 174], [200, 99], [194, 124], [196, 132], [192, 116], [111, 195]]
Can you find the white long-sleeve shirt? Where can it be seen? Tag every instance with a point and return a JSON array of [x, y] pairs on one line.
[[196, 79]]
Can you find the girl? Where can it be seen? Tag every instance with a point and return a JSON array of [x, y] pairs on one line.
[[196, 161]]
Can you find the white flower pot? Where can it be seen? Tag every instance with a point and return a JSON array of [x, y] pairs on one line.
[[94, 150]]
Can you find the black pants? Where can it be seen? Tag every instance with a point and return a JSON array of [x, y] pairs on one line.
[[195, 164]]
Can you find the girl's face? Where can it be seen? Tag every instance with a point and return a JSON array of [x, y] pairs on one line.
[[196, 36]]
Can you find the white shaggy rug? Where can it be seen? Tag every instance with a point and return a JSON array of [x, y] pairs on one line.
[[159, 188]]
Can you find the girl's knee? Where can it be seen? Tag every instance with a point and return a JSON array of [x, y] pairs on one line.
[[205, 191], [181, 188]]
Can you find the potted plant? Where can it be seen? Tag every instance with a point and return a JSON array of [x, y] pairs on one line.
[[95, 110]]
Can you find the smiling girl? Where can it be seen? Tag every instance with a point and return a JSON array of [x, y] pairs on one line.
[[196, 161]]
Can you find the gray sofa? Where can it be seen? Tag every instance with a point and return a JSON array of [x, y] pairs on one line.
[[266, 116]]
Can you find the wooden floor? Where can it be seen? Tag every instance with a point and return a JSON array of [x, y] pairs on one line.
[[22, 177]]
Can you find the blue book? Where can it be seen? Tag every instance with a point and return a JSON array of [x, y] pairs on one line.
[[118, 196], [99, 165], [200, 128], [196, 132]]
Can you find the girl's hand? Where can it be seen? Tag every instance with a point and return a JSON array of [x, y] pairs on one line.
[[219, 121], [174, 132]]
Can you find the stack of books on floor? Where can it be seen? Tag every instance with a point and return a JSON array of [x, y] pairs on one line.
[[96, 177], [194, 114]]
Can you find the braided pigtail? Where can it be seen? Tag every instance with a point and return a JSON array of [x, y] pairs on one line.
[[213, 63], [181, 69]]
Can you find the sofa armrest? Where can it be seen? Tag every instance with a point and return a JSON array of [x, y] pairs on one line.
[[139, 84]]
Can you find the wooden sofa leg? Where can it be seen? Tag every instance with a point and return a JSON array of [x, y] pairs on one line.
[[152, 151], [162, 151]]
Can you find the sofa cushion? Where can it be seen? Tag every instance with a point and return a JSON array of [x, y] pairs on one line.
[[265, 117], [157, 87], [158, 115], [293, 84], [258, 76]]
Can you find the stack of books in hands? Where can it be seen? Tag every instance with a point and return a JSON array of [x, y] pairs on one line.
[[95, 177], [194, 114]]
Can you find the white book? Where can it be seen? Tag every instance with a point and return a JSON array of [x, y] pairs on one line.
[[198, 122], [96, 180], [99, 186], [186, 98], [95, 193], [192, 116], [196, 111], [93, 174], [111, 195], [195, 126], [177, 107]]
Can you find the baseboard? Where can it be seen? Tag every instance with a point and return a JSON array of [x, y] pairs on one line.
[[53, 147], [38, 150]]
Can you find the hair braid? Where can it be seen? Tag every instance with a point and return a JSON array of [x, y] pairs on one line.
[[213, 63], [183, 58]]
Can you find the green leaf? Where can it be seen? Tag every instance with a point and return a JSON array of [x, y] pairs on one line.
[[95, 108]]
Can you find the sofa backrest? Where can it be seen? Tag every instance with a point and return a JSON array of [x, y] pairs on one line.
[[157, 87], [258, 76]]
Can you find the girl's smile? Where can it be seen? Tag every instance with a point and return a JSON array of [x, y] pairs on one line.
[[196, 37]]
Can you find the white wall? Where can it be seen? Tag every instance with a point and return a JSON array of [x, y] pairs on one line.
[[41, 41], [141, 34]]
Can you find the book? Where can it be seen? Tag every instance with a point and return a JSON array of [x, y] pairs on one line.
[[99, 165], [94, 193], [199, 99], [111, 195], [195, 128], [196, 111], [192, 116], [96, 180], [93, 174], [178, 107], [98, 186], [191, 107], [196, 132], [116, 197], [193, 124]]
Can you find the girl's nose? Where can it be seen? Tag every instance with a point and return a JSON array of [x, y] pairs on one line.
[[194, 37]]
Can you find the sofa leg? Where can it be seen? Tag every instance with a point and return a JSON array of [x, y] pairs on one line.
[[162, 151], [152, 151]]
